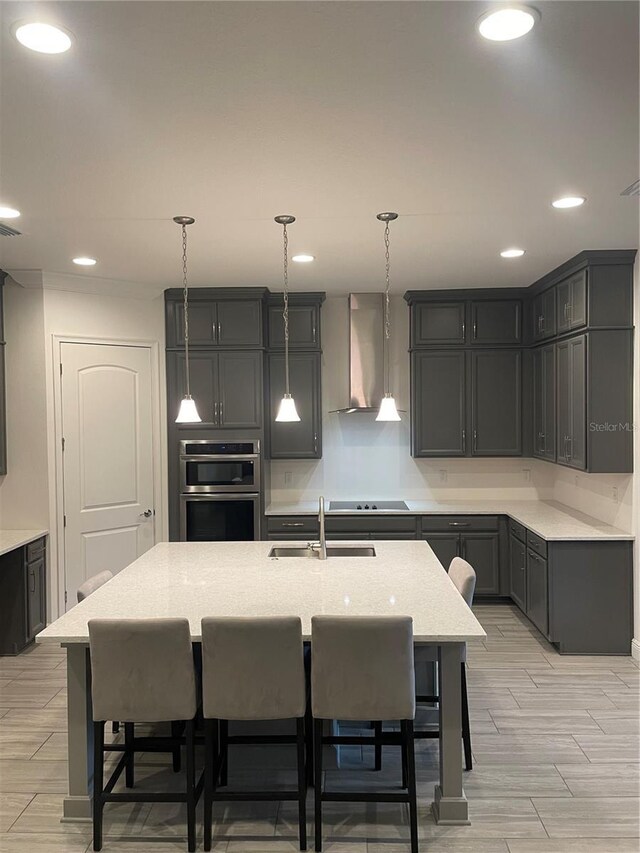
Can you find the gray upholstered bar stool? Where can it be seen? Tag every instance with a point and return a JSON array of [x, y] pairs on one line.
[[464, 579], [141, 671], [252, 669], [362, 669], [92, 584]]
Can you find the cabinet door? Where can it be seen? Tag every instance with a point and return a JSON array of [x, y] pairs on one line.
[[482, 550], [544, 315], [571, 356], [544, 403], [537, 595], [240, 390], [518, 572], [203, 369], [202, 323], [438, 323], [35, 597], [445, 546], [496, 405], [496, 322], [304, 326], [300, 440], [571, 302], [438, 404], [239, 323]]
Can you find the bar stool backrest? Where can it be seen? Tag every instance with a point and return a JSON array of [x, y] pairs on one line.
[[464, 578], [142, 670], [92, 584], [253, 668], [362, 668]]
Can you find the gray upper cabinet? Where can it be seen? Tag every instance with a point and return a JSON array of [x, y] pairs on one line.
[[544, 315], [438, 410], [438, 323], [496, 321], [304, 325], [571, 365], [218, 317], [496, 409], [239, 323], [571, 302], [544, 402], [302, 440]]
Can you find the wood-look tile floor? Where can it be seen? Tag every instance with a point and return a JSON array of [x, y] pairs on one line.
[[556, 744]]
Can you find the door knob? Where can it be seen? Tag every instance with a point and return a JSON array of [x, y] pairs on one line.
[[147, 513]]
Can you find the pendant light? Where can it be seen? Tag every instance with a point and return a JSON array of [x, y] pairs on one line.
[[188, 413], [388, 410], [287, 412]]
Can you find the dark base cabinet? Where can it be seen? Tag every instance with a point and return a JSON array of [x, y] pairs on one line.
[[22, 596]]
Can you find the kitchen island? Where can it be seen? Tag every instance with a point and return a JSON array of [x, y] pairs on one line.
[[198, 579]]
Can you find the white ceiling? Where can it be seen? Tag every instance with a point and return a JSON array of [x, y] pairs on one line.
[[234, 112]]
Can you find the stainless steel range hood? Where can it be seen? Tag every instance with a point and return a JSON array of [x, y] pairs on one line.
[[366, 355]]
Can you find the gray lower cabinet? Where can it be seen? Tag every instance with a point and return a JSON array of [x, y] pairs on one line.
[[475, 538], [3, 395], [518, 572], [482, 550], [496, 406], [544, 402], [438, 410], [301, 440], [226, 386], [22, 596], [537, 591], [571, 370], [445, 546]]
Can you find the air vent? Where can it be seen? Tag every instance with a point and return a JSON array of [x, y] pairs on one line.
[[7, 231], [632, 189]]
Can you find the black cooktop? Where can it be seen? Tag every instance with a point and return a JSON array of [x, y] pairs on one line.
[[381, 506]]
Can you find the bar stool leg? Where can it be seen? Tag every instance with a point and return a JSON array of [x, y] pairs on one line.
[[377, 730], [98, 783], [408, 749], [302, 783], [176, 731], [308, 729], [128, 742], [405, 773], [115, 727], [466, 730], [317, 772], [191, 786], [224, 752], [210, 763]]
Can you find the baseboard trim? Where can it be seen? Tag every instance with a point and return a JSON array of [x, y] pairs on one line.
[[635, 649]]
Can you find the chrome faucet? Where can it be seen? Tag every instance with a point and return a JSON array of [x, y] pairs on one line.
[[322, 553]]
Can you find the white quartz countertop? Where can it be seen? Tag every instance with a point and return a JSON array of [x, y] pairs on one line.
[[12, 539], [197, 579], [548, 519]]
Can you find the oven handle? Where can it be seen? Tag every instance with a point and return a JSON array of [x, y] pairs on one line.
[[218, 457], [220, 496]]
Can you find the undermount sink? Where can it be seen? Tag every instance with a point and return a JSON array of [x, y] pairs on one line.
[[332, 551]]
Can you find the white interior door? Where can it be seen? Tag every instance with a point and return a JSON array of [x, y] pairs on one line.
[[107, 459]]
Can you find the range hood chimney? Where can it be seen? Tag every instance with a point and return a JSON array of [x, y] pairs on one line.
[[366, 353]]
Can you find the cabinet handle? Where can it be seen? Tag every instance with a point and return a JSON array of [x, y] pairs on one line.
[[315, 442], [293, 523], [215, 413], [221, 413], [475, 440], [570, 453], [464, 328], [569, 311], [542, 444], [313, 332], [458, 524], [219, 334], [475, 329], [464, 442]]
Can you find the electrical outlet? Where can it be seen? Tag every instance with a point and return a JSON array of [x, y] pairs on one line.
[[614, 494], [527, 474], [288, 478], [443, 475]]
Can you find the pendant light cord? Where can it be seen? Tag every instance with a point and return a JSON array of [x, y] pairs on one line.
[[285, 313], [186, 307], [387, 313]]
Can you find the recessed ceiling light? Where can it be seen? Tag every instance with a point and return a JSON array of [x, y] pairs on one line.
[[507, 24], [41, 37], [512, 253], [303, 259], [85, 262], [8, 212], [569, 201]]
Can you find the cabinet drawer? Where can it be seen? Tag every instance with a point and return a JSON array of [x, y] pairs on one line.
[[459, 522], [292, 524], [371, 524], [537, 544], [35, 550], [518, 530]]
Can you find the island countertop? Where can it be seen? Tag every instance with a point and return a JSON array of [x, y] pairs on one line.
[[197, 579], [550, 520], [12, 539]]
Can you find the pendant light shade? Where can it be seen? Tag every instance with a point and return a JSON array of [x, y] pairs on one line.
[[188, 413], [287, 412], [388, 409]]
